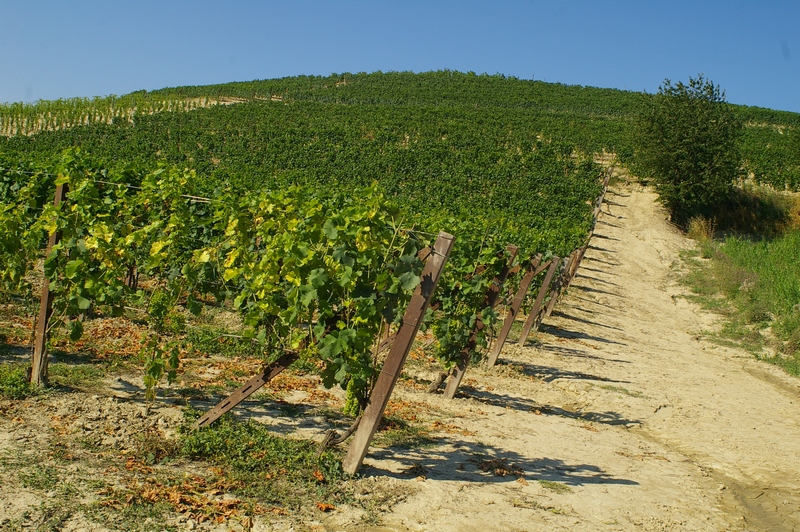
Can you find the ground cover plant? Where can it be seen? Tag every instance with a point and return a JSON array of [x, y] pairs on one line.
[[758, 280]]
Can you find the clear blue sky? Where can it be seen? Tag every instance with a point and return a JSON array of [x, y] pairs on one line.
[[59, 49]]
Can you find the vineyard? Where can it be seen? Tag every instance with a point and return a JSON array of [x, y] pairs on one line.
[[271, 118], [340, 225]]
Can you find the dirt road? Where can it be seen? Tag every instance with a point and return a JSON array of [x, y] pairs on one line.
[[622, 417]]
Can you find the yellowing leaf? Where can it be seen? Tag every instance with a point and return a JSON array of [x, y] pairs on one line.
[[230, 273], [157, 246]]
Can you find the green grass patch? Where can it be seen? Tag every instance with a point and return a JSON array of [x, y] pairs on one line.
[[213, 340], [14, 381], [270, 469], [558, 487], [396, 432], [74, 375], [755, 284], [39, 477], [137, 516]]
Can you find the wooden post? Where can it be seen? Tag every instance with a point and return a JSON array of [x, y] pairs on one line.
[[534, 269], [249, 388], [537, 305], [39, 360], [457, 373], [575, 265], [412, 319], [556, 291]]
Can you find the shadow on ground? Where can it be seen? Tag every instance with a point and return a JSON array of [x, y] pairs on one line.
[[475, 462], [575, 335], [581, 320]]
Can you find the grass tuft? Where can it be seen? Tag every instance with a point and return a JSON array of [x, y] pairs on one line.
[[755, 284], [271, 469], [14, 381]]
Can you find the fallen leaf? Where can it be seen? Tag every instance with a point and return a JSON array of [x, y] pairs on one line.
[[325, 507]]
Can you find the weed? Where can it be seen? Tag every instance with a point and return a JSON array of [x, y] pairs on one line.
[[74, 375], [620, 389], [700, 228], [137, 516], [396, 432], [270, 469], [14, 381], [212, 340], [153, 448], [756, 286], [39, 477], [754, 210], [558, 487]]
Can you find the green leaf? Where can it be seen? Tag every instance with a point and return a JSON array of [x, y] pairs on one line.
[[318, 277], [409, 281], [83, 303], [71, 269], [309, 295], [76, 330], [231, 273], [194, 306], [329, 229], [340, 255]]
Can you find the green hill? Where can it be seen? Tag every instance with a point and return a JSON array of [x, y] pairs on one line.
[[251, 141]]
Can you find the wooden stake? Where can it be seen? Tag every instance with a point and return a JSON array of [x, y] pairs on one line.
[[557, 290], [412, 319], [457, 374], [543, 290], [249, 388], [39, 359], [534, 269]]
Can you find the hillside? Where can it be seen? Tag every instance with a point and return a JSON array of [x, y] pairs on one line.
[[590, 119]]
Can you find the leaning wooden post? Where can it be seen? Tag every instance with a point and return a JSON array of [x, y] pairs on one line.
[[250, 387], [575, 265], [537, 305], [534, 269], [39, 360], [457, 373], [558, 286], [412, 319]]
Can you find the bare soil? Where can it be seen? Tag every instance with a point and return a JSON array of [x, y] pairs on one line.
[[619, 415]]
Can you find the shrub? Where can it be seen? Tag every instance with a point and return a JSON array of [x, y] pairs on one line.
[[686, 141]]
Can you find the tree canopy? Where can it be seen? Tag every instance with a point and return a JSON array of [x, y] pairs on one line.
[[687, 141]]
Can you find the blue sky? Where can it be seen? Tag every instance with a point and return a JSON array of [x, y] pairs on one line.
[[60, 49]]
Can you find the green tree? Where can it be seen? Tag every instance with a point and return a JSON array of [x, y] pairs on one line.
[[686, 141]]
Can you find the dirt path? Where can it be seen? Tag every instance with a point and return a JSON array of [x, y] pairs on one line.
[[621, 418]]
